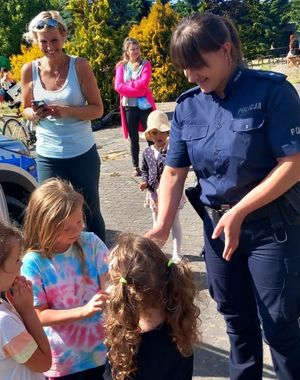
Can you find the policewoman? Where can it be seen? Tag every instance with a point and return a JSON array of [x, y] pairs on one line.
[[240, 131]]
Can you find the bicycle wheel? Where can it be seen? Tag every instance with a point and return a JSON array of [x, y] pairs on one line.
[[2, 121], [13, 128]]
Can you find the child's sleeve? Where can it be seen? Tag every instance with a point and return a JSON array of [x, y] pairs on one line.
[[100, 253], [33, 272], [16, 342], [145, 169]]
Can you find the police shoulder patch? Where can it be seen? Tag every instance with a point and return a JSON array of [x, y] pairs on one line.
[[189, 93], [272, 75]]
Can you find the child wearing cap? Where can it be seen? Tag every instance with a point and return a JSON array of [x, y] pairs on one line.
[[152, 167]]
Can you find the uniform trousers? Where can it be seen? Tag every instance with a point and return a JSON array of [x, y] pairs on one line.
[[258, 293], [83, 172]]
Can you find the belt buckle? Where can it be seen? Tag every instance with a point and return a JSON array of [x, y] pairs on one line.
[[224, 208]]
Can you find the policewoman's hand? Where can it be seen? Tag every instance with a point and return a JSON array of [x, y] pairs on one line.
[[158, 235], [230, 224]]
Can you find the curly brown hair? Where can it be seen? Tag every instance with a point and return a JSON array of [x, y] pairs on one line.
[[148, 280]]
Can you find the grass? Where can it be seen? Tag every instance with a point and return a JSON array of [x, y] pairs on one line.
[[5, 110], [292, 73]]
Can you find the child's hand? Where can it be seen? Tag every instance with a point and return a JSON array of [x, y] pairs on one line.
[[21, 296], [97, 303], [143, 185]]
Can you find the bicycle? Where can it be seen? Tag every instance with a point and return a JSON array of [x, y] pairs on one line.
[[19, 128]]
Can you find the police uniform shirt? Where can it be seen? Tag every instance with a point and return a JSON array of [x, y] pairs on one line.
[[234, 142]]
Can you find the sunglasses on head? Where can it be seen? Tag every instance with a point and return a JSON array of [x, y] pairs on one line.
[[50, 22]]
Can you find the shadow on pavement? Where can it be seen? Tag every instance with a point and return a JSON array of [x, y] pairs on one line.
[[211, 362], [111, 237]]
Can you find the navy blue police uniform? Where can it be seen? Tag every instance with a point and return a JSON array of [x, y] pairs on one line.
[[233, 143]]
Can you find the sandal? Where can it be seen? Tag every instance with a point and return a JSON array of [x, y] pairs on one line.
[[137, 172]]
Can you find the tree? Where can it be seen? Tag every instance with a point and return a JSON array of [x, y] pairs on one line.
[[14, 17], [294, 12], [95, 39], [185, 7], [259, 23], [153, 34], [277, 12]]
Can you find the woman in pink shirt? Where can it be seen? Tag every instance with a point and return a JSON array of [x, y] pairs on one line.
[[133, 76]]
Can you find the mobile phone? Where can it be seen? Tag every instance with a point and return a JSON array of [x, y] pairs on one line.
[[39, 103]]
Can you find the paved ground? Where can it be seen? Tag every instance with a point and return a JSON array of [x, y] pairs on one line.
[[122, 207]]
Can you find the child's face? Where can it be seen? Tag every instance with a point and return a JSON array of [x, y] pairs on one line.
[[159, 138], [70, 231], [11, 266]]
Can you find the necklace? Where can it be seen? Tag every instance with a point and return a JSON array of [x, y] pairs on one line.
[[58, 71]]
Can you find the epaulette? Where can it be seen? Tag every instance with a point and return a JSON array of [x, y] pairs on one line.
[[272, 75], [189, 93]]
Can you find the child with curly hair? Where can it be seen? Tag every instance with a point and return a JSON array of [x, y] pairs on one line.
[[151, 318]]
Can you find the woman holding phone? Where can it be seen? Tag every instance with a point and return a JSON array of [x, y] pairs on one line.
[[60, 92]]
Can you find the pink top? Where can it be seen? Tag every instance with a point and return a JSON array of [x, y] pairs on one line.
[[133, 89]]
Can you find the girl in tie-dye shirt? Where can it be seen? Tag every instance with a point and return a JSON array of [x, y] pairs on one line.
[[68, 271]]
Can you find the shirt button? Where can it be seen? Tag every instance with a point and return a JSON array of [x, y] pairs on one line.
[[246, 126], [219, 176], [218, 151], [219, 125]]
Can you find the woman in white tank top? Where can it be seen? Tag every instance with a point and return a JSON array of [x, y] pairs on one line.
[[67, 85]]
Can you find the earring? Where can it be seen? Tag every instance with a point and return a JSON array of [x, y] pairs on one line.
[[226, 57]]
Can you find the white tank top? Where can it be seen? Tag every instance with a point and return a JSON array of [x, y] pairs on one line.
[[62, 137]]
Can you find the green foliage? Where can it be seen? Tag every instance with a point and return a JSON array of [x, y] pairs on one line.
[[97, 41], [14, 17], [259, 23], [294, 12], [27, 54], [185, 7], [154, 33]]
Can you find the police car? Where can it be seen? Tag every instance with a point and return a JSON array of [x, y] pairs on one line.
[[18, 178]]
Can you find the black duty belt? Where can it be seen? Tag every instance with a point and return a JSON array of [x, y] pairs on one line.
[[216, 213]]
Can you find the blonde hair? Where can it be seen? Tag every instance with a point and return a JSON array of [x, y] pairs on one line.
[[7, 232], [127, 42], [48, 208], [147, 281], [31, 35]]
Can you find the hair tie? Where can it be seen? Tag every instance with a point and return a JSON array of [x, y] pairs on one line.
[[170, 263], [123, 281]]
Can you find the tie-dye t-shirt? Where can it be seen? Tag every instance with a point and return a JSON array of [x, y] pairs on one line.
[[60, 283]]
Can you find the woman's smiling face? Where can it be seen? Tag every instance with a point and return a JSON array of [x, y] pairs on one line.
[[51, 42], [133, 52], [214, 76]]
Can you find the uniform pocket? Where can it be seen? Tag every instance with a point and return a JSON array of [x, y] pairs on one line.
[[194, 132], [247, 139], [291, 289], [247, 125], [194, 135]]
